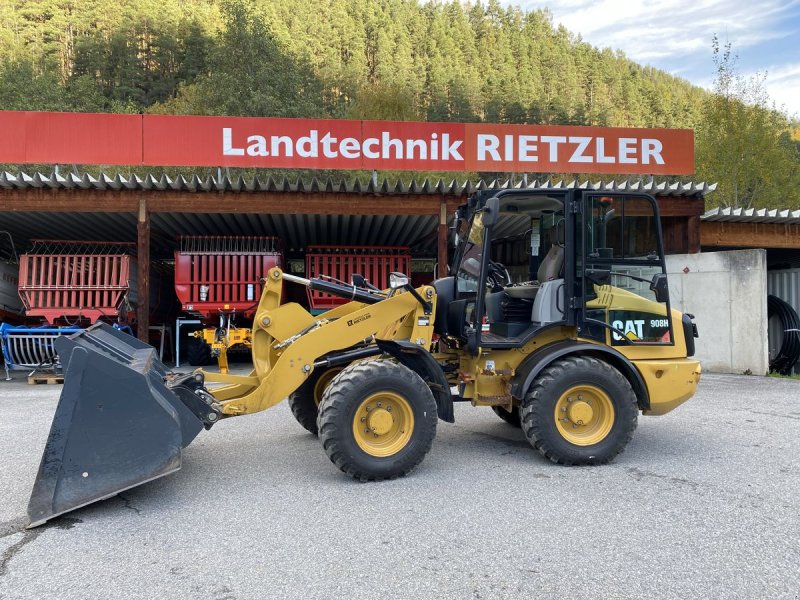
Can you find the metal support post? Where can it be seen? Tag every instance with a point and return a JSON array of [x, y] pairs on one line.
[[178, 323], [143, 260], [442, 241]]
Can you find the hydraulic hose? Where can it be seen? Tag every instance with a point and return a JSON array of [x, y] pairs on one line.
[[350, 292], [789, 351]]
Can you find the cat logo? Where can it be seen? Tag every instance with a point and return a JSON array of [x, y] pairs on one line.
[[633, 329]]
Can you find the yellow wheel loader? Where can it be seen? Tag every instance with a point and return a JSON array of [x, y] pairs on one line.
[[556, 314]]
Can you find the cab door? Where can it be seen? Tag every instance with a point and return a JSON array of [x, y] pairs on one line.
[[621, 270]]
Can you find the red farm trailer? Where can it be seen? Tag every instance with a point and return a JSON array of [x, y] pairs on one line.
[[65, 286], [341, 262], [77, 283], [217, 279]]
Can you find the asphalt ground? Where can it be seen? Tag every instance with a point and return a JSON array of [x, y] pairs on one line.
[[703, 503]]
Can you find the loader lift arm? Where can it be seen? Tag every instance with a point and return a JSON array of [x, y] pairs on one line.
[[284, 359]]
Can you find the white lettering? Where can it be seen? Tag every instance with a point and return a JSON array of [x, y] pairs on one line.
[[639, 327], [627, 150], [350, 148], [419, 145], [329, 152], [258, 146], [387, 143], [227, 144], [578, 156], [651, 148], [450, 150], [503, 148], [600, 151], [488, 143], [275, 143], [553, 141], [635, 327], [508, 146], [527, 149], [308, 146], [368, 143]]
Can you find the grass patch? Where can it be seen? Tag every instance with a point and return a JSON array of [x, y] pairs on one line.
[[779, 376]]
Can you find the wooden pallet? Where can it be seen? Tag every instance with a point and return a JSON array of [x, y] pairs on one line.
[[45, 378]]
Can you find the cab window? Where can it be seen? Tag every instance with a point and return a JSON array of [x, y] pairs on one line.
[[469, 268], [622, 248]]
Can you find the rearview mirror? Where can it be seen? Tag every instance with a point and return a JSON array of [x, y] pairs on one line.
[[598, 276], [491, 211], [660, 286]]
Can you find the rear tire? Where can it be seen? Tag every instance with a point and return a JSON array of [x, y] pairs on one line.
[[377, 420], [305, 401], [580, 411], [198, 353], [511, 417]]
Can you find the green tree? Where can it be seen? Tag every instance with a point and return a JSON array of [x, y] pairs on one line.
[[26, 85], [743, 141], [250, 74]]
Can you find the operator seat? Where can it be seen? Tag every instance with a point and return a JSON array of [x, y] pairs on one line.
[[550, 267], [510, 303]]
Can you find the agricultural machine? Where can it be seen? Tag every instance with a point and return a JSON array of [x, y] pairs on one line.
[[340, 263], [67, 286], [218, 279], [573, 357]]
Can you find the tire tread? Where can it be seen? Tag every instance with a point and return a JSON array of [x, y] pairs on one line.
[[534, 428], [334, 400]]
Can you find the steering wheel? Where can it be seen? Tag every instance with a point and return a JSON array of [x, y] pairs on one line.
[[497, 275]]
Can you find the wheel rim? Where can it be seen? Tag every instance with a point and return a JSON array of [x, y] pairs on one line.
[[322, 383], [584, 415], [383, 424]]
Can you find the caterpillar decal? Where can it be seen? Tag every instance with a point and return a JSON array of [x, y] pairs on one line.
[[639, 327]]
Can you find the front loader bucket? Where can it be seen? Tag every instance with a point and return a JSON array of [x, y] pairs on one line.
[[122, 420]]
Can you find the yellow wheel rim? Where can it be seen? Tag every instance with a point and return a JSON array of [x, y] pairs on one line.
[[322, 383], [584, 415], [383, 424]]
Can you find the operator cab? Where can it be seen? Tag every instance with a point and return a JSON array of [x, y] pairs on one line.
[[526, 262], [530, 259], [524, 279]]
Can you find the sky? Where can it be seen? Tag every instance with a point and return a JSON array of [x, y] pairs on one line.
[[675, 36]]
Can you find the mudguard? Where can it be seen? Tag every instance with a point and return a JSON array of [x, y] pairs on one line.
[[421, 361], [535, 363]]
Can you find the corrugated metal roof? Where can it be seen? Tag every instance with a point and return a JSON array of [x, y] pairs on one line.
[[354, 186], [297, 231], [753, 215]]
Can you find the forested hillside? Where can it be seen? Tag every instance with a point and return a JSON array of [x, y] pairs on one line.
[[391, 59]]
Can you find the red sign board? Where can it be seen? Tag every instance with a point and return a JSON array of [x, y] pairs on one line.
[[79, 138], [162, 140]]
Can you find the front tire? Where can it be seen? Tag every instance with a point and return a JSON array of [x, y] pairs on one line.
[[580, 411], [198, 353], [377, 420], [305, 400]]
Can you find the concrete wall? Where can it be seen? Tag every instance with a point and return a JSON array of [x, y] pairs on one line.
[[727, 293]]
